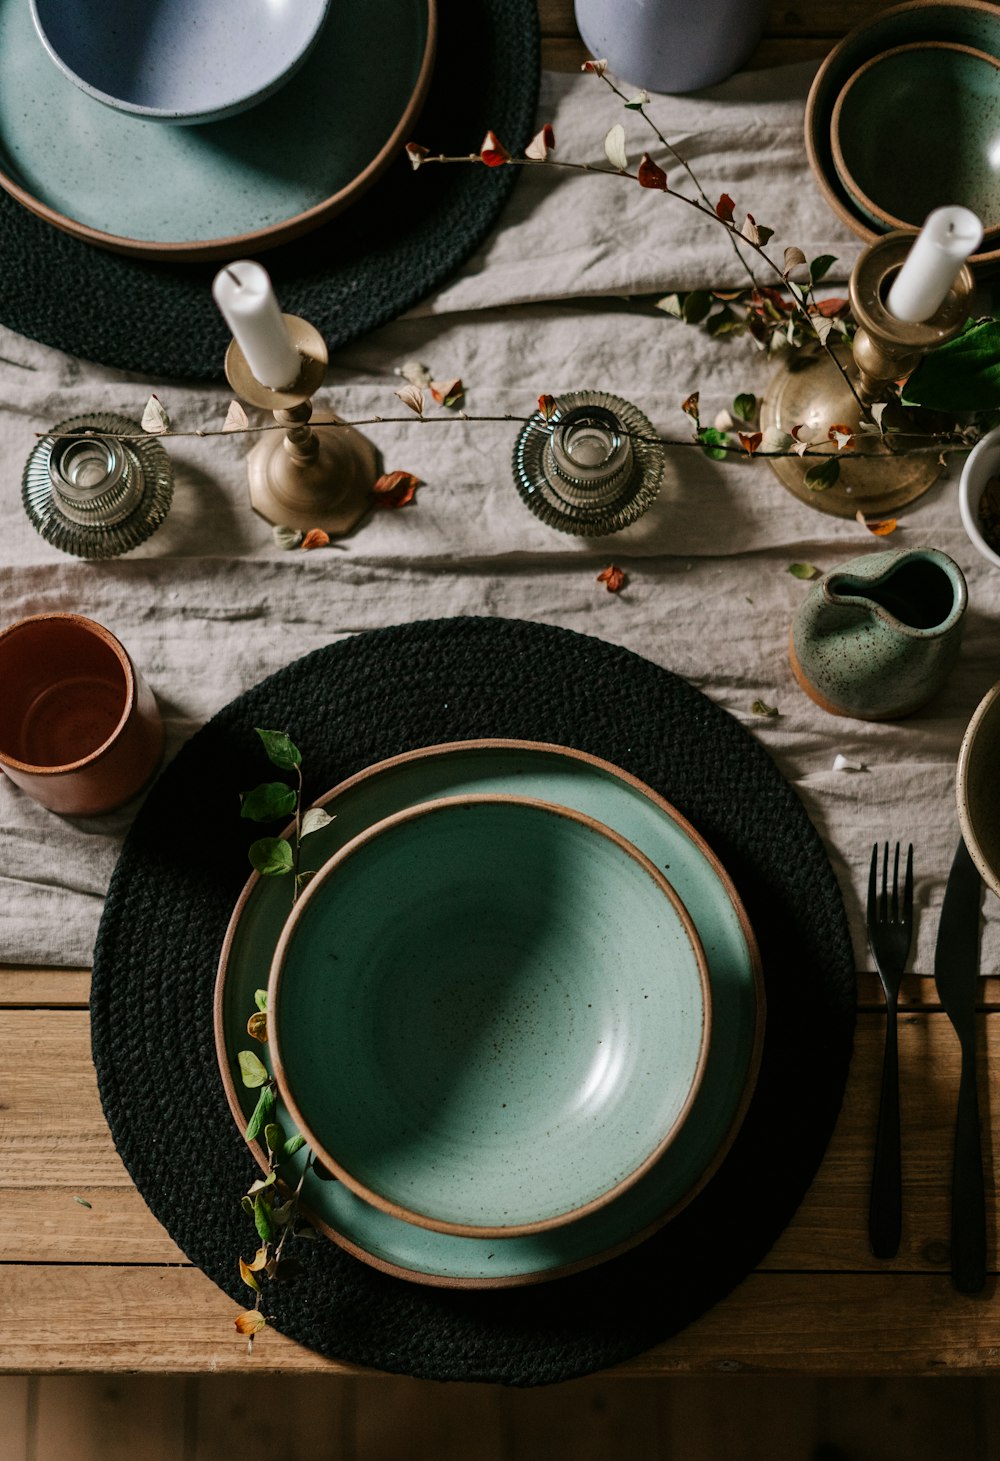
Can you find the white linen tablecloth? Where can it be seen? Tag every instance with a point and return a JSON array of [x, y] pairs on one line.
[[210, 605]]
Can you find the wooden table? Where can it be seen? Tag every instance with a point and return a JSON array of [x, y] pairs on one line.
[[91, 1282]]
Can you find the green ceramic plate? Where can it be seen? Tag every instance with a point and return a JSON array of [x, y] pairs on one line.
[[566, 778], [488, 1015], [207, 191]]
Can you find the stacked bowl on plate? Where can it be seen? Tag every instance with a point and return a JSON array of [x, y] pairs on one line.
[[904, 117], [517, 1012]]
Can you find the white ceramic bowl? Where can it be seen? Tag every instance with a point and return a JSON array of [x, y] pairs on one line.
[[976, 788], [982, 463]]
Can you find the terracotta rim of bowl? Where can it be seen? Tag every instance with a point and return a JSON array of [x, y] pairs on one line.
[[969, 508], [990, 876], [859, 227], [329, 870], [97, 631], [183, 252], [839, 161], [396, 1270]]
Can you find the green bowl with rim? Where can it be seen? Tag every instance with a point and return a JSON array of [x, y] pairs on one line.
[[489, 1015]]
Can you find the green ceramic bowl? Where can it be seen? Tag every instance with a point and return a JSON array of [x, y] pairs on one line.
[[918, 128], [973, 23], [976, 786], [489, 1015]]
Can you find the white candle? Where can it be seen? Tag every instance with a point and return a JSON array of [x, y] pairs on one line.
[[948, 237], [244, 295]]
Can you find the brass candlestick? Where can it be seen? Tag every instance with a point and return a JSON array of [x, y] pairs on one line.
[[809, 391], [309, 476]]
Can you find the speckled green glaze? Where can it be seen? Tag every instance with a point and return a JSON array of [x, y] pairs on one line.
[[918, 128], [489, 1014], [568, 779], [877, 636]]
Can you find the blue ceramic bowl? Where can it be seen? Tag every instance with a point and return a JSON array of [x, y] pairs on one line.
[[488, 1015], [179, 60], [918, 128], [973, 23]]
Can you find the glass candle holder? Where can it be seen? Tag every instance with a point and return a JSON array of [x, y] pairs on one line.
[[592, 467], [97, 496]]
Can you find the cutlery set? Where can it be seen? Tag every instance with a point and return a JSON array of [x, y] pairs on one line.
[[956, 976]]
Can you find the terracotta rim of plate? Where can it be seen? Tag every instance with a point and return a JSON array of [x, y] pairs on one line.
[[435, 807], [859, 227], [97, 631], [990, 875], [839, 161], [434, 1280], [183, 252]]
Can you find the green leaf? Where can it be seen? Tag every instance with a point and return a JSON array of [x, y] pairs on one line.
[[803, 570], [745, 407], [252, 1069], [269, 801], [272, 856], [260, 999], [713, 441], [962, 374], [697, 305], [247, 1206], [262, 1217], [760, 708], [261, 1184], [274, 1137], [821, 266], [83, 1202], [723, 322], [796, 289], [315, 820], [280, 749], [823, 475], [261, 1112], [292, 1145]]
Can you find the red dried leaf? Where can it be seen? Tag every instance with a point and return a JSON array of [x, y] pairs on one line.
[[541, 144], [598, 67], [842, 435], [650, 175], [547, 406], [447, 392], [831, 309], [750, 441], [416, 154], [493, 152], [725, 208], [881, 526], [690, 406], [764, 295], [613, 578], [315, 538], [395, 489]]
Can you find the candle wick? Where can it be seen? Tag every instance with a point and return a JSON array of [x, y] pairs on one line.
[[234, 277]]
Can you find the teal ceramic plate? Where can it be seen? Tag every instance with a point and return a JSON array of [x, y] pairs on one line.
[[207, 191], [565, 778], [488, 1015]]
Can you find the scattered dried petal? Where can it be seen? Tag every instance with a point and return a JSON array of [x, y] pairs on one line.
[[250, 1323], [248, 1278], [793, 258], [395, 489], [416, 154], [880, 526], [541, 144], [154, 417], [822, 328], [829, 309], [723, 421], [754, 232], [877, 413], [614, 148], [760, 708], [257, 1026], [638, 101], [285, 537], [613, 578], [236, 418], [842, 434], [690, 406], [447, 392], [547, 406], [651, 175], [413, 397], [775, 440], [803, 570], [315, 538], [841, 763], [725, 208], [598, 67], [415, 372], [493, 152], [750, 441]]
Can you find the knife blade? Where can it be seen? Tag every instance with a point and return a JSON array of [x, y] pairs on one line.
[[956, 974]]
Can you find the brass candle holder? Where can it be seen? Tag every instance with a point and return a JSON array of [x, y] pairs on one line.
[[307, 476], [810, 392]]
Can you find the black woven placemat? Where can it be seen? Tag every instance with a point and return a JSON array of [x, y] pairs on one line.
[[355, 703], [386, 252]]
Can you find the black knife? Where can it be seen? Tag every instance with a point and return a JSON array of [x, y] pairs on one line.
[[956, 974]]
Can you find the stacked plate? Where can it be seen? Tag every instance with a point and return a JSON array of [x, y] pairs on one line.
[[517, 1013], [903, 117], [323, 103]]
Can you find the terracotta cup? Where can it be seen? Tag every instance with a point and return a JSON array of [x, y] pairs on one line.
[[79, 727]]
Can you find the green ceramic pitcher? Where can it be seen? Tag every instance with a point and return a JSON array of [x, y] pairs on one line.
[[877, 636]]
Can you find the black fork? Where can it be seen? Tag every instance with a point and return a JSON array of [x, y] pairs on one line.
[[890, 927]]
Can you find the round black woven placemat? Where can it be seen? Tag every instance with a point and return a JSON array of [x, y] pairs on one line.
[[357, 702], [379, 257]]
